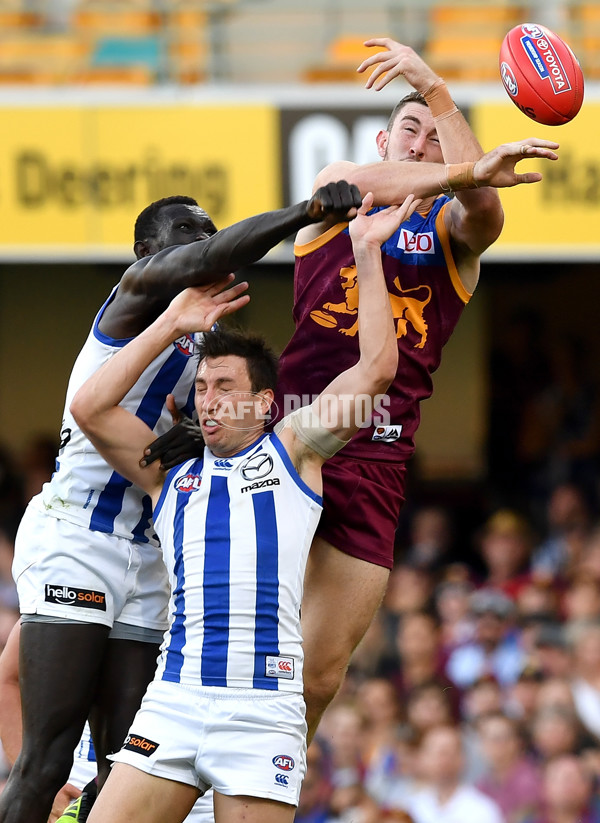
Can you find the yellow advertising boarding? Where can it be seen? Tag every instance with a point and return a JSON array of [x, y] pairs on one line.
[[76, 178], [559, 217]]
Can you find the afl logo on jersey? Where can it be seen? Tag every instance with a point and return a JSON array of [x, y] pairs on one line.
[[284, 762], [185, 345], [257, 466], [188, 483]]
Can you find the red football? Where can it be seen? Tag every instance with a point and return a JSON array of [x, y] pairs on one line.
[[541, 74]]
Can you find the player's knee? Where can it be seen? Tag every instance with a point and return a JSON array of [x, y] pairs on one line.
[[321, 687], [41, 773]]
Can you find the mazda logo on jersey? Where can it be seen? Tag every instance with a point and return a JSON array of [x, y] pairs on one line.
[[257, 466]]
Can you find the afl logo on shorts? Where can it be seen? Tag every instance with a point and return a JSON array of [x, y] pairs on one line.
[[284, 762], [185, 345], [257, 466], [188, 483]]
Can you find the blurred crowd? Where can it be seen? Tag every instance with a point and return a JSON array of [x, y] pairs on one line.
[[474, 696]]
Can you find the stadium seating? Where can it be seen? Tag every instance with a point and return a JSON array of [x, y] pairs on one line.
[[586, 40], [185, 30], [464, 39], [344, 54], [253, 41]]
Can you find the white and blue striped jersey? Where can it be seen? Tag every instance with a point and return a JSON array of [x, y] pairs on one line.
[[84, 489], [235, 534]]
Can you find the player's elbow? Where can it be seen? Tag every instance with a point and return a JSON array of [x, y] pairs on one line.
[[490, 216], [82, 410], [340, 170], [383, 369]]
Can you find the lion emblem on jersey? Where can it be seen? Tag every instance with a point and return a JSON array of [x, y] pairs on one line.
[[408, 307]]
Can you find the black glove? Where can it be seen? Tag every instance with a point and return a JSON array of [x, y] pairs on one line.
[[179, 444], [340, 199]]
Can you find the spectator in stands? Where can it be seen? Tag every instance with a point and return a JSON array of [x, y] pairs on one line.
[[431, 535], [522, 697], [429, 705], [484, 696], [342, 727], [567, 793], [568, 519], [313, 805], [585, 685], [551, 650], [511, 779], [446, 798], [556, 731], [538, 601], [555, 693], [418, 644], [409, 589], [377, 701], [590, 556], [581, 600], [506, 546], [495, 648], [452, 605]]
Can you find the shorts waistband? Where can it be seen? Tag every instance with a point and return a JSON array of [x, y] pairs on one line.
[[232, 692]]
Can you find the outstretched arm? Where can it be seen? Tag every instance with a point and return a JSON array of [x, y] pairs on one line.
[[119, 435], [391, 181], [150, 283], [475, 219]]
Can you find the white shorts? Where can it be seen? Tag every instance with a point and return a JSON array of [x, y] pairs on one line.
[[203, 810], [85, 770], [239, 741], [84, 767], [65, 570]]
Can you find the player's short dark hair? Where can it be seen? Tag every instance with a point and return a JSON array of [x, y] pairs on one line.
[[146, 224], [261, 359], [412, 97]]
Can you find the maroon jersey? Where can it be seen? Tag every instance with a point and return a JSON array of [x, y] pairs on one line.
[[427, 299]]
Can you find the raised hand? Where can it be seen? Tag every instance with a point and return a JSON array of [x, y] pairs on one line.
[[497, 167], [398, 60], [199, 307], [340, 200]]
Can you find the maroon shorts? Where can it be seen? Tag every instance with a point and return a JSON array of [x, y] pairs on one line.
[[361, 506]]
